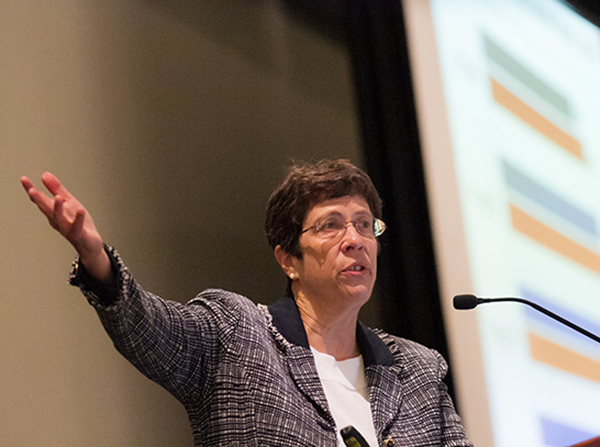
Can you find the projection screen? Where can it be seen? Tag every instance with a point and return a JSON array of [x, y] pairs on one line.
[[508, 99]]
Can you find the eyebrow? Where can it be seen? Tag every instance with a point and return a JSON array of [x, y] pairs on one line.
[[362, 213]]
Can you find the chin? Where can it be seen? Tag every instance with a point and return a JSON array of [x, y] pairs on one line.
[[360, 294]]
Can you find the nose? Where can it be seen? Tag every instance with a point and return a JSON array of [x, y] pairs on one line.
[[352, 239]]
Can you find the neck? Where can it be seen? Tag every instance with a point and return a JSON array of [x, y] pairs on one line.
[[330, 329]]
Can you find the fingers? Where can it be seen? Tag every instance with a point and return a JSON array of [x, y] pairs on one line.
[[53, 208], [61, 220], [78, 222], [66, 215], [43, 202], [58, 219], [53, 185], [26, 183]]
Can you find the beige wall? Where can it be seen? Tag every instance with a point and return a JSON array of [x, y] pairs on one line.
[[172, 123]]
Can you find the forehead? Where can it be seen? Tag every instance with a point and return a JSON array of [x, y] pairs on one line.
[[346, 205]]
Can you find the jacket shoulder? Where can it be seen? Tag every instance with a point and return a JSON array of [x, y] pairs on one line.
[[225, 305], [408, 353]]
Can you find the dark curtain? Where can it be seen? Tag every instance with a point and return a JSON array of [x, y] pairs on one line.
[[590, 9], [407, 278]]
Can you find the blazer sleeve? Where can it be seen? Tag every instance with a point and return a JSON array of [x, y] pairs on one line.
[[453, 432], [173, 344]]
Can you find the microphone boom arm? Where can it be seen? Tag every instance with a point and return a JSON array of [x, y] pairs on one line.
[[545, 312]]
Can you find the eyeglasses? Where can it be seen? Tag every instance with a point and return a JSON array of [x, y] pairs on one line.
[[335, 225]]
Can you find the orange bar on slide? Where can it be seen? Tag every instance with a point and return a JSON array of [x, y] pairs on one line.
[[553, 240], [560, 357], [521, 110]]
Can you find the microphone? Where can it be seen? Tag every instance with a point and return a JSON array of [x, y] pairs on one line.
[[462, 302], [352, 438]]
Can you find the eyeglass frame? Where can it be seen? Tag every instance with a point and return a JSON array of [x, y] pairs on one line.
[[377, 223]]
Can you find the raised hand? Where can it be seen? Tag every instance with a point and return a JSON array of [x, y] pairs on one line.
[[73, 222]]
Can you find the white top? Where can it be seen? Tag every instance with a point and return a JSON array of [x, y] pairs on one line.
[[347, 394]]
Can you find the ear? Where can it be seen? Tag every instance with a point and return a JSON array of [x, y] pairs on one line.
[[287, 262]]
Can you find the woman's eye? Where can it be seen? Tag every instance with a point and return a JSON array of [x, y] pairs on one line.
[[330, 225], [365, 224]]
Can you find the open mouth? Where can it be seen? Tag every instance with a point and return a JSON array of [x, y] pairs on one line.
[[355, 268]]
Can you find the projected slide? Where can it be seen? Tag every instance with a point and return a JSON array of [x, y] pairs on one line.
[[521, 82]]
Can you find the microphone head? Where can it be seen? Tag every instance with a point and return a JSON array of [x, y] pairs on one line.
[[466, 301]]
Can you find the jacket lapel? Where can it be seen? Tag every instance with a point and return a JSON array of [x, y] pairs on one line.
[[301, 364], [381, 371], [382, 375], [385, 394]]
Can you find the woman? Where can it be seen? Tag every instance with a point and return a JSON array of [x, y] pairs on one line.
[[293, 373]]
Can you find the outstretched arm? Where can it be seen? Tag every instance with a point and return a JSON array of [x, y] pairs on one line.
[[165, 340], [67, 216]]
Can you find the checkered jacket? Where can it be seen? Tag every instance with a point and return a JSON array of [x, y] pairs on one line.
[[246, 375]]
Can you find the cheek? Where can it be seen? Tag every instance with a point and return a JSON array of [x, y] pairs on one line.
[[373, 248], [321, 267], [319, 254]]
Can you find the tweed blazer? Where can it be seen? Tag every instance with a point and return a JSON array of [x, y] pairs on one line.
[[246, 375]]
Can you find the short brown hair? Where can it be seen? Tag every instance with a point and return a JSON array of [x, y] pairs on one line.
[[307, 184]]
